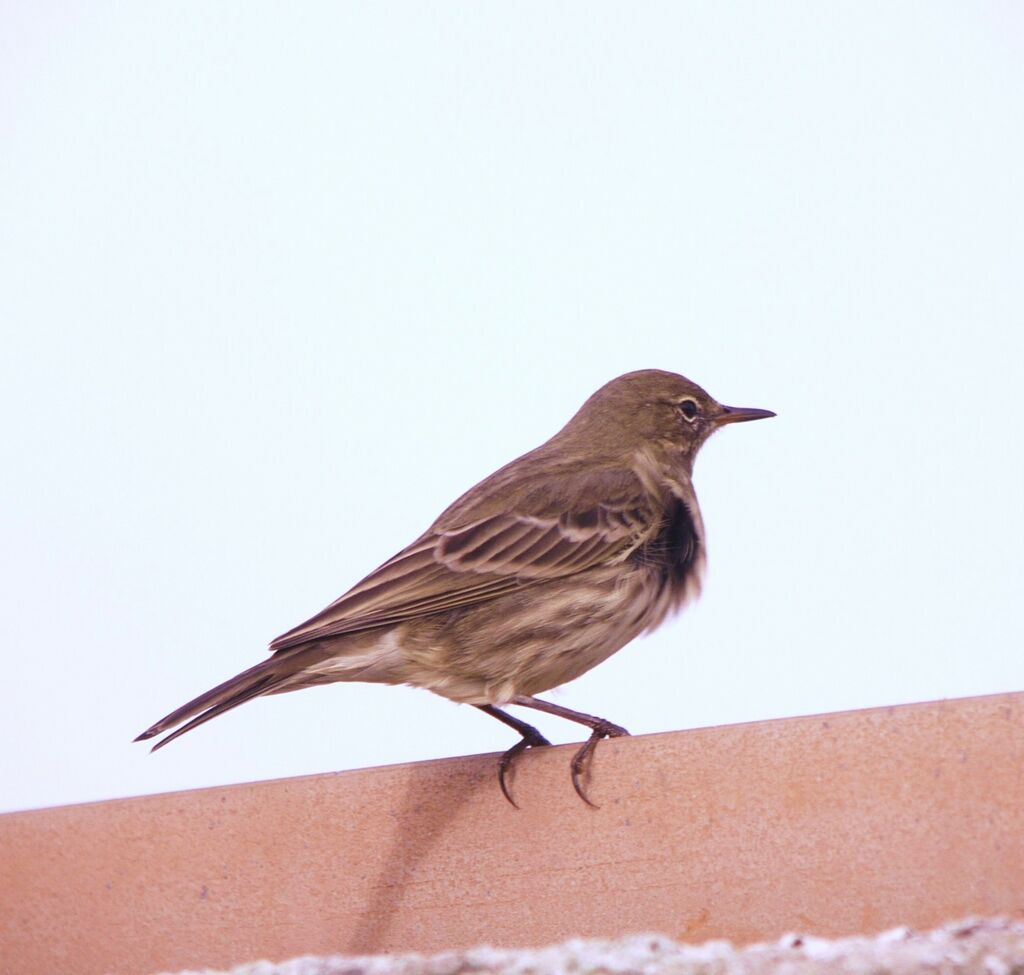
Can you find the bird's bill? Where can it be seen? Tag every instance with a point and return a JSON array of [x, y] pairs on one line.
[[740, 414]]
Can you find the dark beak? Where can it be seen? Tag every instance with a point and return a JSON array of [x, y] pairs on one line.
[[740, 414]]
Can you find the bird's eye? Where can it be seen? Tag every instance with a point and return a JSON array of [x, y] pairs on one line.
[[688, 408]]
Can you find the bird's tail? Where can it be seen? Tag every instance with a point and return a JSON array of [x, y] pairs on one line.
[[264, 678]]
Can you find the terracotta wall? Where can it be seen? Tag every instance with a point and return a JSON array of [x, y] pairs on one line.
[[834, 824]]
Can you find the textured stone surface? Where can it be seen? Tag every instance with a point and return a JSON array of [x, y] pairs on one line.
[[972, 947], [837, 824]]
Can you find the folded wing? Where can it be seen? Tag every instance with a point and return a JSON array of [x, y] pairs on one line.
[[476, 551]]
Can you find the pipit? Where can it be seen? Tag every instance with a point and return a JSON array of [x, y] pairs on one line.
[[540, 572]]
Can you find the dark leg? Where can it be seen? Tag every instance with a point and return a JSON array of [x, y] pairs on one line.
[[599, 728], [532, 738]]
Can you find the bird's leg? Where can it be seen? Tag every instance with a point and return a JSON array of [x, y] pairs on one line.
[[532, 738], [599, 728]]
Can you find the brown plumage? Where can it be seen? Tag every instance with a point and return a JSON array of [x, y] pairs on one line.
[[537, 574]]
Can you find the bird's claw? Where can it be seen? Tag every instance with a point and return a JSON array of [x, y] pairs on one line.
[[580, 764], [536, 740]]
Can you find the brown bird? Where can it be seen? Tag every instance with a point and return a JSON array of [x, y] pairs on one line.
[[537, 574]]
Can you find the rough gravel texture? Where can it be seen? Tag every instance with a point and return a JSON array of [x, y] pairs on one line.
[[991, 946]]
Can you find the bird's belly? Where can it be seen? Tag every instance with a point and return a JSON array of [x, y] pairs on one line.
[[535, 639]]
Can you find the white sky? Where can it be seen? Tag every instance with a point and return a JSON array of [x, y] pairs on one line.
[[278, 282]]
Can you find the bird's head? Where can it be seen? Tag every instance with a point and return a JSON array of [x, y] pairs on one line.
[[657, 409]]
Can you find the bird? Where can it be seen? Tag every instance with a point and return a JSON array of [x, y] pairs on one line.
[[540, 572]]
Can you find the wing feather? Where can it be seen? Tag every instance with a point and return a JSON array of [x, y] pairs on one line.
[[465, 561]]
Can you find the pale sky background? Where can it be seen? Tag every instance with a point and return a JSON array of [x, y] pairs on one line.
[[278, 282]]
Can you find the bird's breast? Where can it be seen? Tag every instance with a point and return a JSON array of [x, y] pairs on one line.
[[674, 555]]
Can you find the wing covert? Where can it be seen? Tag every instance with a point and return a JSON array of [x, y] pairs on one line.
[[465, 561]]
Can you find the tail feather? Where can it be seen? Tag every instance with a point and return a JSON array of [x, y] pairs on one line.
[[237, 690], [246, 694], [373, 658]]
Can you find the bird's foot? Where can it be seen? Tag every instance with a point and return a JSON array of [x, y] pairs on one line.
[[580, 761], [531, 739]]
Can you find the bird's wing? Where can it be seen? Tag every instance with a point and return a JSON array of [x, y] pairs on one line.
[[476, 551]]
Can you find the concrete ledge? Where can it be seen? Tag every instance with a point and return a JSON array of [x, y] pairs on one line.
[[835, 824], [973, 947]]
